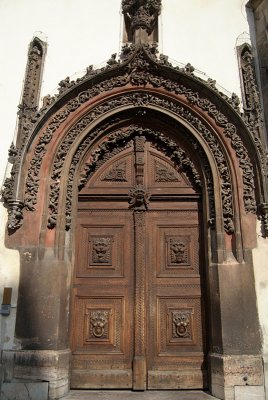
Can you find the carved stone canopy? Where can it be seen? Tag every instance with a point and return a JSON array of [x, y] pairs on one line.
[[141, 20]]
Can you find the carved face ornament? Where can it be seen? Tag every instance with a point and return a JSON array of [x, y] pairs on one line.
[[99, 320]]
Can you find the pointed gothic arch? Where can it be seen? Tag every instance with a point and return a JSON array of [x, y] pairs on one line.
[[200, 130]]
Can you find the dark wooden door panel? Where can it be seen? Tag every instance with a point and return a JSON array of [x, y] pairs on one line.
[[138, 301], [102, 250], [176, 356], [103, 302]]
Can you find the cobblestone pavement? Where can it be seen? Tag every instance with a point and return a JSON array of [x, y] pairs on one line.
[[128, 395]]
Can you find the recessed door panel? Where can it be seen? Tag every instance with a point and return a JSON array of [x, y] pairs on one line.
[[175, 301], [103, 301]]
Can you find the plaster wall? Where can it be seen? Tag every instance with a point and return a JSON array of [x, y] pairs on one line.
[[9, 276]]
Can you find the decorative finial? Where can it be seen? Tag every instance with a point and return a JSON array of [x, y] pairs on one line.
[[141, 20]]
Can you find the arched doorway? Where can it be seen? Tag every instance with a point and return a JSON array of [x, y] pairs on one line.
[[138, 303], [196, 136]]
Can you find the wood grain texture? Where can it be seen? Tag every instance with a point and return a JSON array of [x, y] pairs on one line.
[[138, 302]]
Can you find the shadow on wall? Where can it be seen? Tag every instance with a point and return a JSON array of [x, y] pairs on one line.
[[9, 277]]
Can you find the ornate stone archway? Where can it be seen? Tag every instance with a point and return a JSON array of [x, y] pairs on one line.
[[70, 137]]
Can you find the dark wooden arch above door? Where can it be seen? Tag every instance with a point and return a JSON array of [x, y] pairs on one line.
[[138, 316]]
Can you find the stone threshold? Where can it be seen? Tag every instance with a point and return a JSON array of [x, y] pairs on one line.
[[129, 395]]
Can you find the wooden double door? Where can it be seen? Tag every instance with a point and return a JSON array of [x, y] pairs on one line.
[[138, 303]]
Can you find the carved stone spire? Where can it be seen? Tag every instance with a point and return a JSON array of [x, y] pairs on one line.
[[141, 20], [28, 108], [32, 85], [250, 93]]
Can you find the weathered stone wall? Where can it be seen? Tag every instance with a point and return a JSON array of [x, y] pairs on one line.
[[257, 11], [258, 22], [260, 257]]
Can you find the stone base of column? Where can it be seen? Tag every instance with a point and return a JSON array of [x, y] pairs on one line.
[[33, 366], [237, 377], [265, 362]]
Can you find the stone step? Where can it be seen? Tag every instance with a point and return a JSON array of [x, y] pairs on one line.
[[129, 395]]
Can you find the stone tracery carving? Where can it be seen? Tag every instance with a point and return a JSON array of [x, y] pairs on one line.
[[230, 130], [127, 51], [127, 100], [28, 108], [251, 100], [32, 77], [136, 72], [226, 194]]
